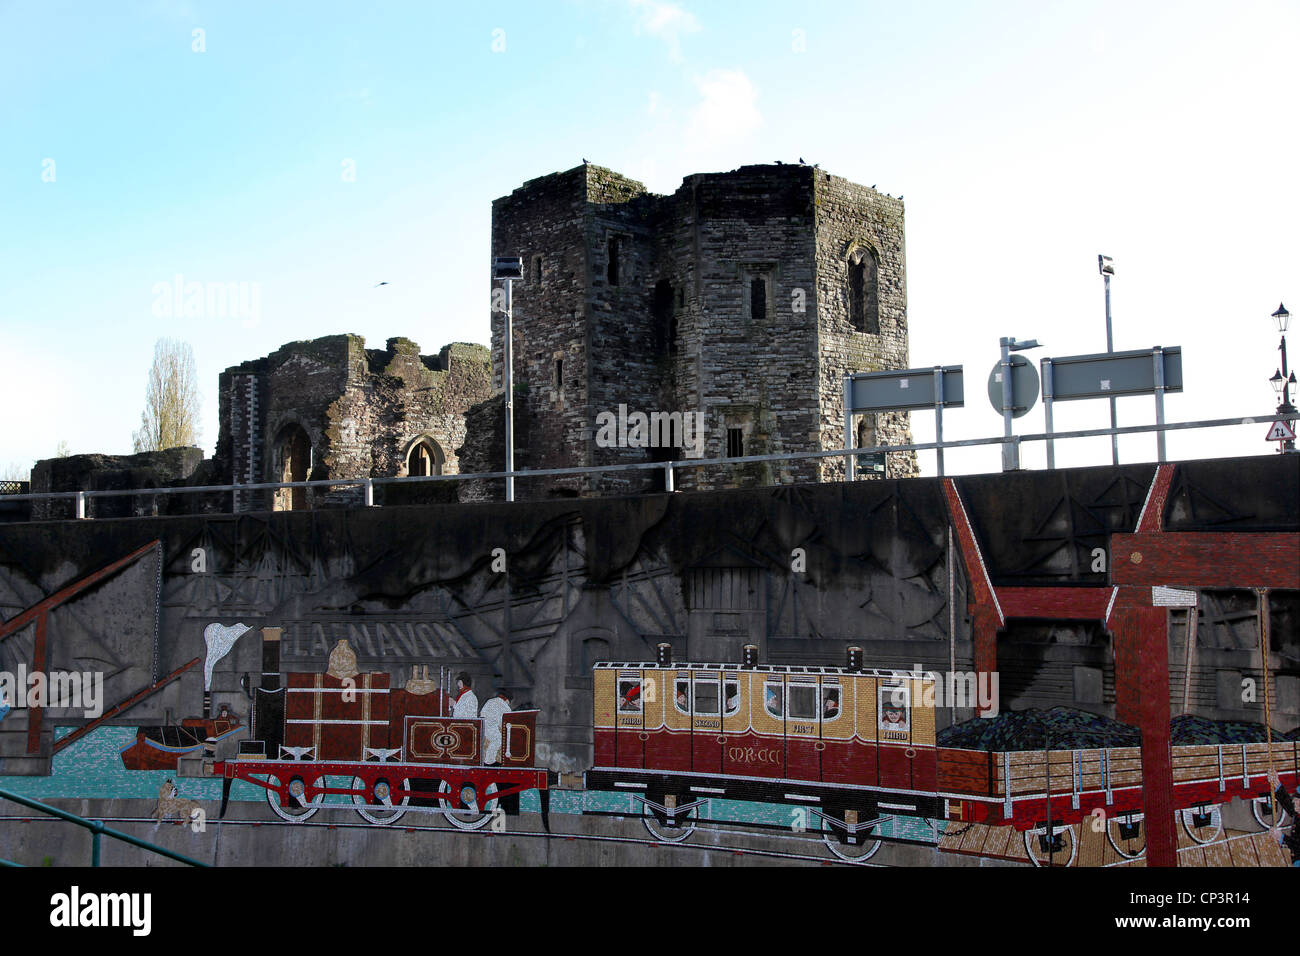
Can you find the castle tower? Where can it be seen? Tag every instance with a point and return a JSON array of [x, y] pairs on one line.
[[744, 298]]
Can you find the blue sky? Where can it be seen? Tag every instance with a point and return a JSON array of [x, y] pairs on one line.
[[317, 149]]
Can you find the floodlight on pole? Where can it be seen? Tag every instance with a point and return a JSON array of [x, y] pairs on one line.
[[1106, 266]]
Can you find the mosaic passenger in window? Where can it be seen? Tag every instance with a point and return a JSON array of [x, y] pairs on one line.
[[831, 704], [629, 696], [894, 710]]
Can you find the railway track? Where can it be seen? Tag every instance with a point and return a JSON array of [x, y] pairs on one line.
[[819, 858]]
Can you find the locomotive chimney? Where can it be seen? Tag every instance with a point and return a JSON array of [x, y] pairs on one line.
[[664, 655], [855, 659], [750, 656], [271, 658]]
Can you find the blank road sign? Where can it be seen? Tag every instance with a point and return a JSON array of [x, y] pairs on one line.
[[1104, 375], [1024, 386], [909, 388]]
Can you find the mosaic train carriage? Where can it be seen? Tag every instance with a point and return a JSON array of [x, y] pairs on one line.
[[853, 747], [390, 750], [845, 745]]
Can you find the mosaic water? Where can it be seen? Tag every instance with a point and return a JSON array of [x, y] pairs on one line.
[[91, 769]]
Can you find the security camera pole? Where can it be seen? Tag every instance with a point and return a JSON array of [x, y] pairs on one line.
[[508, 269], [1106, 265]]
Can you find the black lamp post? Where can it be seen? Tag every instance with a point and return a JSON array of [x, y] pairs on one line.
[[1283, 380]]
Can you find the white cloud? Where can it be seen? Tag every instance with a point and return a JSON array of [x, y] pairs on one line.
[[667, 21], [728, 109]]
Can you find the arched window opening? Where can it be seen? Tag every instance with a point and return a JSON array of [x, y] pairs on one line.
[[292, 462], [864, 295], [425, 458]]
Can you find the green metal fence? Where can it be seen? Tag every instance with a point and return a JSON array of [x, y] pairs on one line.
[[97, 830]]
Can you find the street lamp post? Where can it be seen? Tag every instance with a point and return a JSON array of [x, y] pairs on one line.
[[1283, 380], [508, 269]]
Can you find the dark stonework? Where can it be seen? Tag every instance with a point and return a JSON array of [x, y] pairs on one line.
[[736, 296], [154, 469]]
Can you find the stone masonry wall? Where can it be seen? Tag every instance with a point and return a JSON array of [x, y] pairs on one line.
[[679, 331], [544, 222], [857, 219], [746, 368], [360, 409]]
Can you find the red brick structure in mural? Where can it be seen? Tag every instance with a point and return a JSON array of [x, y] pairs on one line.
[[1149, 557]]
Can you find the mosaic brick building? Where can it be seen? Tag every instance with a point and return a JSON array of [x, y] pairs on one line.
[[745, 296]]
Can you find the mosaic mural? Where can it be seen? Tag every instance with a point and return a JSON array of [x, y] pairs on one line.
[[820, 662]]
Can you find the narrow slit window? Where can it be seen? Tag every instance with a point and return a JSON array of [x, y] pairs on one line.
[[735, 443], [758, 298], [611, 270], [559, 374]]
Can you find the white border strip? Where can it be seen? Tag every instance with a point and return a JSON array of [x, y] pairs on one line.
[[1002, 618]]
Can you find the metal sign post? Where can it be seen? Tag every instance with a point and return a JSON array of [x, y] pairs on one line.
[[1013, 389], [1048, 393], [1010, 453], [850, 461], [1110, 375]]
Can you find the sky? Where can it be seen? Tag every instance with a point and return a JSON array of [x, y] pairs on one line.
[[310, 151]]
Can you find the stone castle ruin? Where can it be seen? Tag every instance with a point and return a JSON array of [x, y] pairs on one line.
[[724, 317], [744, 298], [331, 408]]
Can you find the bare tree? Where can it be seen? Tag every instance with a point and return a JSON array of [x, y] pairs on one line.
[[15, 472], [171, 409]]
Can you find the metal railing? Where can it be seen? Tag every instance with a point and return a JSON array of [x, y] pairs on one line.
[[97, 829], [669, 468]]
